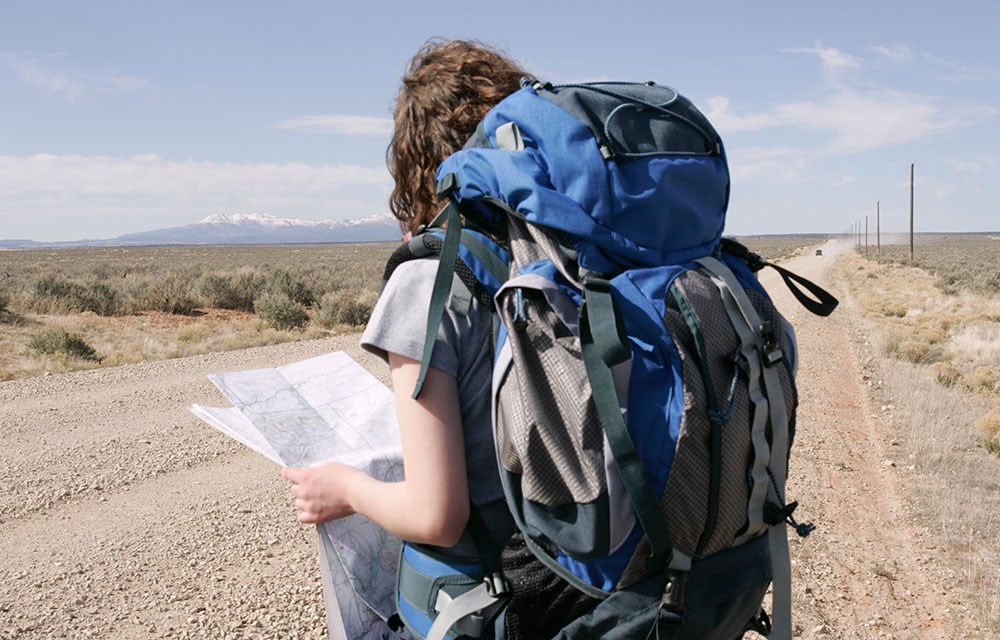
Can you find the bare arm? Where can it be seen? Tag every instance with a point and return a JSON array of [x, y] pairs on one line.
[[432, 504]]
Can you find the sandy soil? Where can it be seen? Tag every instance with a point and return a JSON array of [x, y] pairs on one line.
[[123, 516]]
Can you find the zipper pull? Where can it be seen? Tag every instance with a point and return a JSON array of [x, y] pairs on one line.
[[520, 320]]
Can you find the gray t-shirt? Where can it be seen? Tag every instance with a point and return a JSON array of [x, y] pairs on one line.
[[463, 349]]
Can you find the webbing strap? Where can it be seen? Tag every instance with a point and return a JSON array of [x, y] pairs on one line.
[[603, 347], [489, 556], [553, 565], [499, 269], [699, 342], [478, 601], [737, 298], [781, 576], [759, 477], [747, 323], [442, 288], [824, 304]]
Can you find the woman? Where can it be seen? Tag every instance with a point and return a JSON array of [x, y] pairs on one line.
[[448, 451]]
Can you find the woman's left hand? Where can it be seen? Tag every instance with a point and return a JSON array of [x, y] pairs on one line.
[[322, 493]]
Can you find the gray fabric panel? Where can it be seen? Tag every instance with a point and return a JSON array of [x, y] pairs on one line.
[[642, 130], [721, 344], [547, 428], [547, 425], [528, 245], [579, 529]]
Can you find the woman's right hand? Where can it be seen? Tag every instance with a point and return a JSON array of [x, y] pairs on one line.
[[322, 493]]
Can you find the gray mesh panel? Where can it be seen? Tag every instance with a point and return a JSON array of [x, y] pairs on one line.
[[721, 344], [685, 500], [547, 425]]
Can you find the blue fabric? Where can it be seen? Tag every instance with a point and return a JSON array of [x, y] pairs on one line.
[[645, 212], [414, 618], [656, 389], [427, 565], [655, 397], [645, 219], [603, 573], [412, 615]]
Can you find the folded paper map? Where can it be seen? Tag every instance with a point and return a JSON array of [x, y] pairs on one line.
[[314, 411]]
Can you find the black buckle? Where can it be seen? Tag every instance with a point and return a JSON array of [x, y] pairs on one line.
[[595, 282], [760, 623], [673, 591], [770, 349]]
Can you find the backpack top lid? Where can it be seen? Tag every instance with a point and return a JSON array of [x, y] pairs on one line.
[[631, 174]]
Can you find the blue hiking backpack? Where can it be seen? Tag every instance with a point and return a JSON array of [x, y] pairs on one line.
[[644, 392]]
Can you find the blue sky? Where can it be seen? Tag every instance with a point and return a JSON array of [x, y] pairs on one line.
[[125, 116]]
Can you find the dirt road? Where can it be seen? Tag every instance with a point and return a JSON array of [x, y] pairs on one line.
[[867, 571], [123, 516]]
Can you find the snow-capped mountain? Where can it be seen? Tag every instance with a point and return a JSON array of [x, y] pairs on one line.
[[265, 221], [250, 228]]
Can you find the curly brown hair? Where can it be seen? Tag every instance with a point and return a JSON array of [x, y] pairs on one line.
[[448, 87]]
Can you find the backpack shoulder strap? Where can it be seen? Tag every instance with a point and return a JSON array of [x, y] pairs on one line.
[[480, 264]]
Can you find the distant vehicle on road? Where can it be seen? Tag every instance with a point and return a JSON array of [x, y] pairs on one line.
[[819, 252]]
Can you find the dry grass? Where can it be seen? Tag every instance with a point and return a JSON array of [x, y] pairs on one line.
[[145, 303], [937, 357], [959, 262], [151, 303]]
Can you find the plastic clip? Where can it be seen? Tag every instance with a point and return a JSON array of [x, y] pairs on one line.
[[673, 592], [496, 586], [769, 348]]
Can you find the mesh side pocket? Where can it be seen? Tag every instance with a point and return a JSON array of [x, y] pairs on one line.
[[548, 431]]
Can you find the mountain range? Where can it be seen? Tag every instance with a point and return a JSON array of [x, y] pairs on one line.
[[246, 228]]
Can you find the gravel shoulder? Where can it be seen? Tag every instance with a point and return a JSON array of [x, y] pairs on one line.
[[123, 516], [867, 571]]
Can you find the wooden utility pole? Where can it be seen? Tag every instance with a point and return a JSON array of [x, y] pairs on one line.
[[911, 213], [878, 230], [866, 236]]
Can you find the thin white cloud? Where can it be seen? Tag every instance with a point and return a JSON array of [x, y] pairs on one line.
[[970, 165], [854, 117], [943, 191], [963, 73], [726, 121], [33, 180], [780, 165], [72, 85], [854, 120], [860, 121], [899, 53], [830, 57], [339, 124]]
